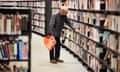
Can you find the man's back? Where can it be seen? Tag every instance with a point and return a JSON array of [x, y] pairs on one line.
[[57, 23]]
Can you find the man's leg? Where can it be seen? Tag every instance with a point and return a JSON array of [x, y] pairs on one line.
[[52, 57], [57, 50]]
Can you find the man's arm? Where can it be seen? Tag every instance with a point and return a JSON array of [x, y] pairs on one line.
[[67, 21]]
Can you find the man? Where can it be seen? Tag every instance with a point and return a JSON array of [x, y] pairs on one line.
[[55, 27]]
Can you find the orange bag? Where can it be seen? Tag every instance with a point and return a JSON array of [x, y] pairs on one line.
[[49, 42]]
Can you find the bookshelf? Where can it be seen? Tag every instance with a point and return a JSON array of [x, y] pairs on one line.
[[38, 25], [98, 43], [55, 6], [38, 12], [15, 39]]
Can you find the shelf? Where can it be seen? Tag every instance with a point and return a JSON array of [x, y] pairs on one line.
[[39, 20], [15, 60], [100, 44], [117, 13], [87, 51], [43, 35], [39, 13], [55, 8], [10, 10], [23, 6], [96, 42], [38, 26], [97, 27], [101, 61], [23, 1], [30, 6]]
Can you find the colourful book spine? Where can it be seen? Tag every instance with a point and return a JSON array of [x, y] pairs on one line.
[[20, 49], [25, 52], [17, 24], [15, 49], [8, 24], [18, 70], [2, 51], [10, 50], [12, 45], [21, 69], [12, 24], [25, 70], [1, 57], [6, 50], [2, 24]]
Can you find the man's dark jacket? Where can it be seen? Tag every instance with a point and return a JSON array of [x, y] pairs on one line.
[[57, 23]]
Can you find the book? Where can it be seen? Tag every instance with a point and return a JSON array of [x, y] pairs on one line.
[[25, 51], [2, 18], [24, 23], [118, 68], [15, 50], [10, 50], [96, 5], [113, 63], [5, 49], [17, 23], [12, 24], [1, 56], [8, 24], [20, 49]]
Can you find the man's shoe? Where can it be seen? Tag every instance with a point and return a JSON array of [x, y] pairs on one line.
[[53, 61], [59, 60]]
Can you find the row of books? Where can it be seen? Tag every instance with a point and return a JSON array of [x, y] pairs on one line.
[[38, 29], [21, 3], [87, 48], [39, 17], [19, 69], [95, 30], [56, 4], [12, 24], [105, 38], [6, 68], [104, 21], [39, 24], [16, 50], [85, 56], [39, 4], [39, 10], [94, 4]]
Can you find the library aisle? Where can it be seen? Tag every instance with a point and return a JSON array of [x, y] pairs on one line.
[[40, 59]]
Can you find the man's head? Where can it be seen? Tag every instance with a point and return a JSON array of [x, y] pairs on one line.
[[63, 10]]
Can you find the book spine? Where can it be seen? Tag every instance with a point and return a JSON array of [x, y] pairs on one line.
[[8, 25], [10, 50], [20, 48], [15, 50], [1, 56]]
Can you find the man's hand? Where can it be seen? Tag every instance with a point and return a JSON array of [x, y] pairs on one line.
[[77, 30]]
